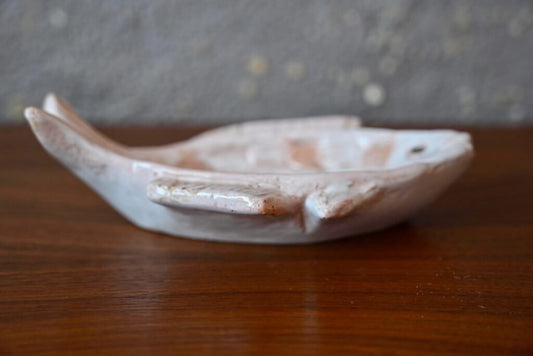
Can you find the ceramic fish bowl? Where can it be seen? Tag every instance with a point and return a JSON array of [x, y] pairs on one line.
[[290, 181]]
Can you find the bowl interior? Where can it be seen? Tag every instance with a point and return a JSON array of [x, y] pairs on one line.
[[328, 151]]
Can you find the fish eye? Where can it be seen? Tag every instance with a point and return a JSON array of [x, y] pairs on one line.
[[418, 149]]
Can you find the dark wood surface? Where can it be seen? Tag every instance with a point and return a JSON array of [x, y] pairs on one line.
[[77, 277]]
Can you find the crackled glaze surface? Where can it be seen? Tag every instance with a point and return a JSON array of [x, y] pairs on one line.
[[278, 181]]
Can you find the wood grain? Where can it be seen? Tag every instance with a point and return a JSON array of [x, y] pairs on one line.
[[75, 277]]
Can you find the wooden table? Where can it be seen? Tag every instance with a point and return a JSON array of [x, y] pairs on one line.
[[76, 277]]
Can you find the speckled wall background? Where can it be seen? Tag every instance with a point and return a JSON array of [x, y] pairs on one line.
[[197, 62]]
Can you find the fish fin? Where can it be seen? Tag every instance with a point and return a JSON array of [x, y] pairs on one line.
[[221, 197]]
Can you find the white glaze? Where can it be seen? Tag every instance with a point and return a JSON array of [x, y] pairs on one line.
[[276, 181]]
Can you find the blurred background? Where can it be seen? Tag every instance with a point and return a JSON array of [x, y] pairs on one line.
[[214, 62]]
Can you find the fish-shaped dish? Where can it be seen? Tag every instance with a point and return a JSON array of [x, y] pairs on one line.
[[289, 181]]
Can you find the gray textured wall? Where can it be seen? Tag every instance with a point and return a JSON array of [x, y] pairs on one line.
[[216, 61]]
